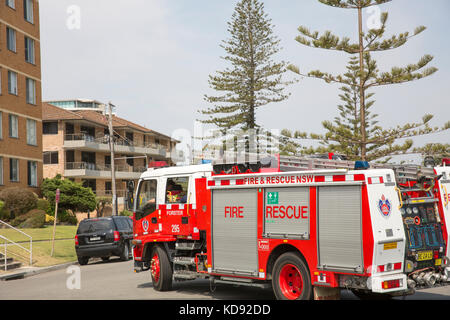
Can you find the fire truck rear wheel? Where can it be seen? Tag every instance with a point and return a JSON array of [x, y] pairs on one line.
[[161, 270], [290, 278]]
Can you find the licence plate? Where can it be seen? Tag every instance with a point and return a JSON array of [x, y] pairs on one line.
[[94, 238], [424, 255]]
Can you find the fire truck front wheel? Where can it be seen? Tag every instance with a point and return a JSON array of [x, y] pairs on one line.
[[291, 280], [161, 270]]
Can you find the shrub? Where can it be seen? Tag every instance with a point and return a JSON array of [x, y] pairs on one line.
[[73, 196], [32, 219], [18, 201], [43, 204], [4, 214], [67, 217], [126, 213]]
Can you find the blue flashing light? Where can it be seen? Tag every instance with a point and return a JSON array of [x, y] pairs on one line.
[[204, 161], [361, 165]]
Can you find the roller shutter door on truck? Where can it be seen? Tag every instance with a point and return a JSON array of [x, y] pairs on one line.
[[340, 228], [286, 213], [234, 229]]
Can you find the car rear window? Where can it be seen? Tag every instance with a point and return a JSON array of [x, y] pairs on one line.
[[95, 225]]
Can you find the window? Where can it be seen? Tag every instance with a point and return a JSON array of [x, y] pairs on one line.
[[11, 3], [1, 170], [31, 132], [50, 127], [29, 50], [146, 200], [130, 161], [31, 91], [28, 10], [32, 173], [176, 190], [11, 39], [50, 157], [14, 170], [108, 187], [90, 183], [12, 82], [13, 126]]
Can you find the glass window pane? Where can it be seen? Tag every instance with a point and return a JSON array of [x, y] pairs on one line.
[[146, 200]]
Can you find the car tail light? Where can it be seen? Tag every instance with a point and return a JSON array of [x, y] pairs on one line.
[[116, 236], [390, 284], [76, 240]]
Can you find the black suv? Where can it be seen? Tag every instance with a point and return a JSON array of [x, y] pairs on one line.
[[104, 237]]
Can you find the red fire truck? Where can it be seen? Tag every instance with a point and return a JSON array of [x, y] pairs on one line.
[[295, 224]]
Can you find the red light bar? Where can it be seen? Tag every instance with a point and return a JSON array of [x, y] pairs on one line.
[[446, 161], [158, 164]]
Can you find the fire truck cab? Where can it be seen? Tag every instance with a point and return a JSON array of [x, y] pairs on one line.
[[287, 228]]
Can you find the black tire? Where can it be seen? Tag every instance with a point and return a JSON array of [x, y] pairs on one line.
[[291, 279], [83, 260], [125, 254], [105, 259], [161, 273]]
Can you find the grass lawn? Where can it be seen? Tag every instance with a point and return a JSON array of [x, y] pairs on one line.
[[46, 233], [64, 249]]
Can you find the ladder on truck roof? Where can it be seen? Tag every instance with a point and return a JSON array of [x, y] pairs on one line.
[[402, 172]]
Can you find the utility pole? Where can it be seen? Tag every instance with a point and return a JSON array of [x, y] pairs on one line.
[[113, 168]]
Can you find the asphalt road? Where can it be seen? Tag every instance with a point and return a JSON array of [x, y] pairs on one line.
[[115, 280]]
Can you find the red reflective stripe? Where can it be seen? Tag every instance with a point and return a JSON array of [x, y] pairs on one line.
[[225, 182], [240, 181], [338, 178], [319, 179], [359, 177], [381, 180], [211, 183], [369, 180]]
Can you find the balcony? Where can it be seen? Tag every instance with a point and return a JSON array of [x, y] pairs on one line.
[[87, 170], [85, 142]]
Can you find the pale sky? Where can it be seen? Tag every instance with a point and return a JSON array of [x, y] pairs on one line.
[[152, 58]]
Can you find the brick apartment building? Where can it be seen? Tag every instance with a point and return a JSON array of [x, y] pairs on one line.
[[76, 145], [20, 95]]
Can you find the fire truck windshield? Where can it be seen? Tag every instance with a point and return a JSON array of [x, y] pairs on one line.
[[146, 200]]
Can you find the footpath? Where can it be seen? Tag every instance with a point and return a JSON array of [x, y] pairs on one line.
[[23, 272]]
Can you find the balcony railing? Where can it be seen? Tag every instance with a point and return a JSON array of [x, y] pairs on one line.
[[104, 139], [97, 167]]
